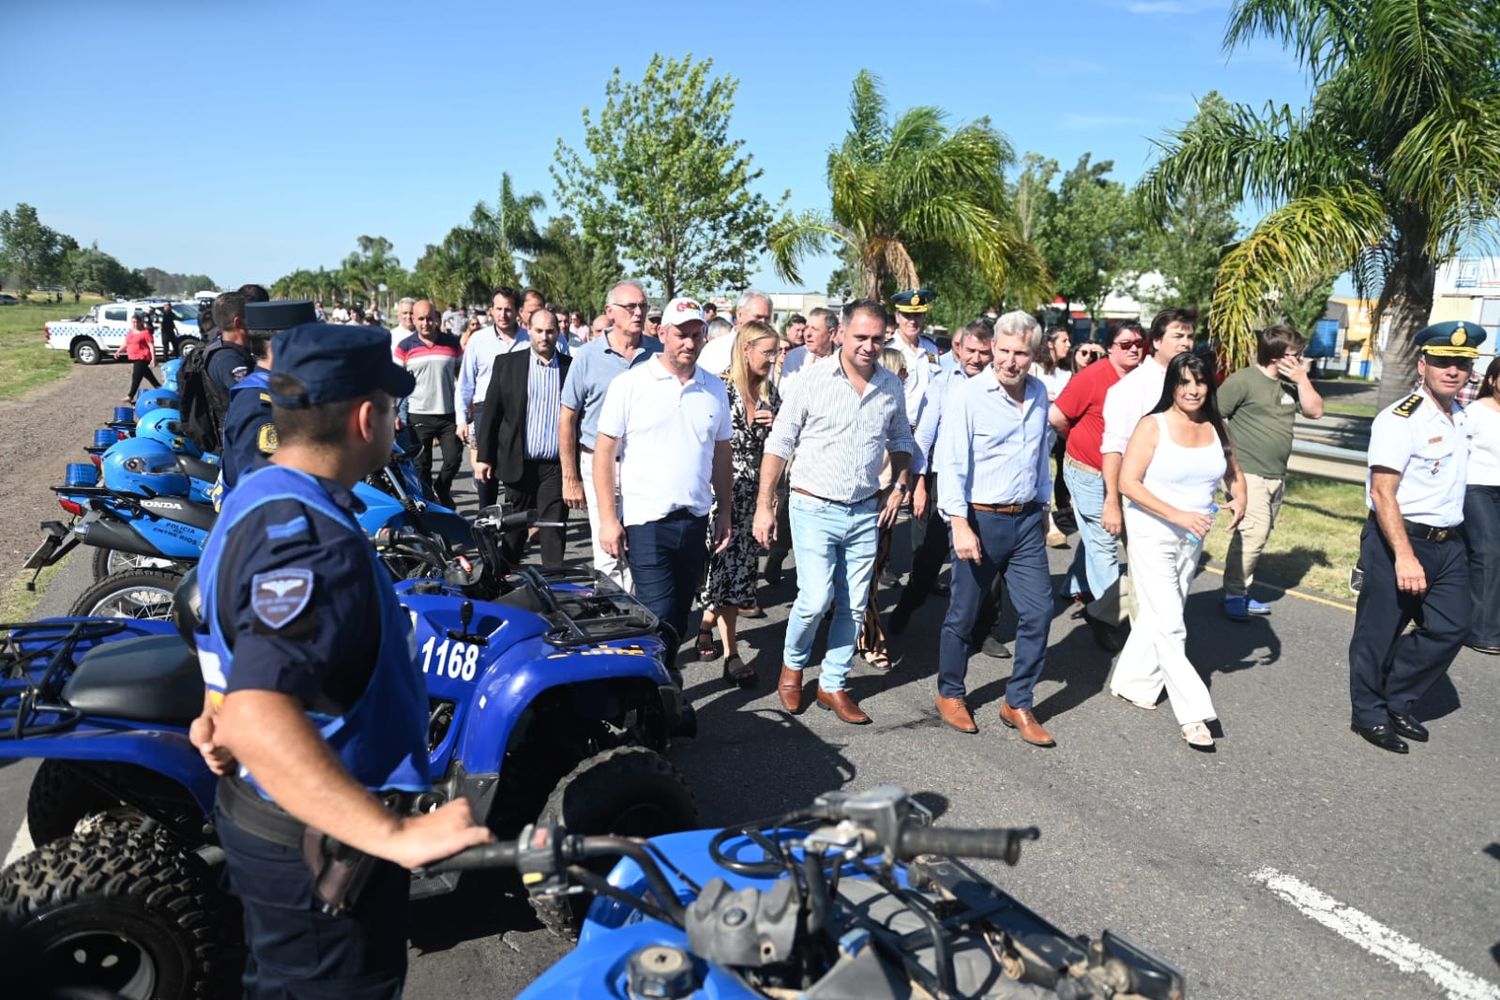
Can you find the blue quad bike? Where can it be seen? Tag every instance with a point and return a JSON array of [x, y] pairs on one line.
[[856, 896], [551, 698]]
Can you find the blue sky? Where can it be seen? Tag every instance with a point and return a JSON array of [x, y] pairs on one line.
[[244, 140]]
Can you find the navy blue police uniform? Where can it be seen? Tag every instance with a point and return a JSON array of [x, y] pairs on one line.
[[1390, 670], [249, 432], [289, 587]]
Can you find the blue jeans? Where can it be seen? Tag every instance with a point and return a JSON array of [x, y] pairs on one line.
[[1482, 532], [666, 559], [834, 544], [1096, 563], [1013, 544]]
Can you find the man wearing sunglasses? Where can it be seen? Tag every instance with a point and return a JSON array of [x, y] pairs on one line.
[[1078, 415]]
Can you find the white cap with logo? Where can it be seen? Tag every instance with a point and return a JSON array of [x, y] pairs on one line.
[[681, 311]]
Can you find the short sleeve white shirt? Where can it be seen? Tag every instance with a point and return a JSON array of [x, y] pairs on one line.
[[1432, 454], [667, 431], [1484, 443], [717, 353], [921, 366], [1127, 401]]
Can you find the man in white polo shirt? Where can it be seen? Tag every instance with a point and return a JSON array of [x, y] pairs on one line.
[[667, 422]]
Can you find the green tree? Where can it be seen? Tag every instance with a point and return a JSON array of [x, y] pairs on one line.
[[1303, 307], [31, 253], [466, 267], [1090, 234], [369, 267], [1389, 171], [913, 194], [664, 183], [573, 272]]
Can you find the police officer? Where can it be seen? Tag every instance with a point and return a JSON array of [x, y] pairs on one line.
[[1411, 549], [249, 432], [920, 350], [316, 720]]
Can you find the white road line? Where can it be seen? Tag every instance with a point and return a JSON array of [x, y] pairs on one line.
[[21, 845], [1376, 938]]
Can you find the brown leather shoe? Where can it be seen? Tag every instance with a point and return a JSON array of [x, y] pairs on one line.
[[789, 689], [1023, 722], [845, 707], [956, 714]]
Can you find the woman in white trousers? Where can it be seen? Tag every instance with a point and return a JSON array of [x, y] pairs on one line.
[[1174, 463]]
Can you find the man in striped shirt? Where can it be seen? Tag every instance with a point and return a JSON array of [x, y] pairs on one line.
[[432, 357], [841, 417]]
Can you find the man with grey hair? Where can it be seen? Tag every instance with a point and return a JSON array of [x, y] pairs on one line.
[[405, 325], [994, 484], [717, 353], [595, 366]]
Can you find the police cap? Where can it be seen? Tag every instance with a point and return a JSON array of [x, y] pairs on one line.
[[915, 300], [1454, 339], [335, 362], [279, 314]]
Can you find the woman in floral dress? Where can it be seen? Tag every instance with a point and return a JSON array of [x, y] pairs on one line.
[[732, 574]]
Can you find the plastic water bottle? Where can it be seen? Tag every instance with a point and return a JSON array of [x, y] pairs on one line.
[[1213, 509]]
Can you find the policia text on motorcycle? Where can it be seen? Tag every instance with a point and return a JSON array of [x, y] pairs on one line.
[[315, 721]]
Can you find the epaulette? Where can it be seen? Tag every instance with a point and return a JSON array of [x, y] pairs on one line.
[[1409, 405]]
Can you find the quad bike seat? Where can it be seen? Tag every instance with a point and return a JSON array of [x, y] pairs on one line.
[[151, 679]]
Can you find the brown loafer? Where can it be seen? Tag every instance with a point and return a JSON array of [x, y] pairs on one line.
[[1023, 722], [845, 707], [789, 689], [956, 714]]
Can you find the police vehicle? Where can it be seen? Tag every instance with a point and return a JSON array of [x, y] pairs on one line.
[[100, 333]]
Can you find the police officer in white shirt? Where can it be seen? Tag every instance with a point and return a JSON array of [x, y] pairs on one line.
[[921, 352], [1412, 550]]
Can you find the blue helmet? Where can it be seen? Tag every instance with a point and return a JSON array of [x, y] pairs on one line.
[[165, 425], [141, 464], [153, 398]]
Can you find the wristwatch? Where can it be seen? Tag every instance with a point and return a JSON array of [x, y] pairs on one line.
[[900, 487]]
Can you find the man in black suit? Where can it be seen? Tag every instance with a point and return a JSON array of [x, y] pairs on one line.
[[517, 438]]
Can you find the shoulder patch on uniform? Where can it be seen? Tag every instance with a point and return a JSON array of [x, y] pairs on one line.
[[281, 595], [287, 529], [1409, 405], [265, 397], [267, 440]]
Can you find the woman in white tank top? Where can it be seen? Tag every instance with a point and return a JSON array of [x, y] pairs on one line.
[[1482, 514], [1172, 467]]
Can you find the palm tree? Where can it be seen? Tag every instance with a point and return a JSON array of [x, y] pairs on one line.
[[909, 193], [509, 227], [1392, 169]]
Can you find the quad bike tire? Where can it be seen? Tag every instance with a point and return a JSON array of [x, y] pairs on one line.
[[90, 603], [118, 907], [64, 792], [630, 791]]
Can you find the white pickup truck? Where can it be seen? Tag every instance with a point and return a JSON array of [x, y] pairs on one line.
[[90, 339]]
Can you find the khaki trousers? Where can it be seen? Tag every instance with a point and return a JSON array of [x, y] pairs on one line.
[[1262, 503]]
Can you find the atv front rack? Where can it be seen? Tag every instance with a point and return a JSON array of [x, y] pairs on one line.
[[36, 659], [588, 609]]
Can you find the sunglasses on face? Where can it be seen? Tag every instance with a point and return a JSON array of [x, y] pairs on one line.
[[1091, 355], [1129, 345]]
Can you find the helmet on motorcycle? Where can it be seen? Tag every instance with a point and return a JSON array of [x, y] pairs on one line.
[[165, 425], [141, 464], [169, 373], [153, 398]]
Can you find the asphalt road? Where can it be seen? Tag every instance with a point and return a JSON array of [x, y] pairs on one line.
[[1296, 860]]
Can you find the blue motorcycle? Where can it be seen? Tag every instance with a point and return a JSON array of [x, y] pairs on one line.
[[856, 896], [549, 699]]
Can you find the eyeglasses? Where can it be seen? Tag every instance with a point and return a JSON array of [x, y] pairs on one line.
[[1091, 355], [630, 306], [1129, 345], [773, 352]]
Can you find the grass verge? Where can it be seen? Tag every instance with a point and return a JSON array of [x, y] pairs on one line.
[[1342, 409], [25, 360], [17, 604], [1316, 538]]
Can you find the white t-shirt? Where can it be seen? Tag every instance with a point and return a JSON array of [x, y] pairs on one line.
[[1127, 401], [1484, 443], [717, 354], [667, 430], [1054, 382]]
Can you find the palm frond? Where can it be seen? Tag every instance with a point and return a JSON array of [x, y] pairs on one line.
[[1449, 164], [1324, 231], [793, 237], [867, 121], [1320, 32]]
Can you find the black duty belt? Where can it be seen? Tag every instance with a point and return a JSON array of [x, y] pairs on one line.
[[256, 816], [1426, 531]]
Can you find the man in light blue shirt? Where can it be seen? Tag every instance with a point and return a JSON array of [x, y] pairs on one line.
[[994, 484]]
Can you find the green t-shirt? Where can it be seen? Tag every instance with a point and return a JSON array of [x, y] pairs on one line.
[[1260, 410]]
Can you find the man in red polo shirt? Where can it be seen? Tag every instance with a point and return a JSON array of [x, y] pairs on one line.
[[1078, 415]]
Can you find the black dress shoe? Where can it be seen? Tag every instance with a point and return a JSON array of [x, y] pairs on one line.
[[991, 647], [773, 571], [1106, 635], [1405, 725], [1381, 736]]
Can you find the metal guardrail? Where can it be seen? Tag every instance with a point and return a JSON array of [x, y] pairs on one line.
[[1310, 458]]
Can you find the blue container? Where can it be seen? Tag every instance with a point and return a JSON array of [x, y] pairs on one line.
[[104, 437], [82, 474], [125, 414]]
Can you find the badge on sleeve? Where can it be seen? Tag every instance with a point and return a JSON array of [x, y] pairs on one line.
[[266, 440], [281, 595]]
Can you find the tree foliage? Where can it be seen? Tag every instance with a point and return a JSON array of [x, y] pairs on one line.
[[176, 285], [1391, 169], [572, 271], [912, 195], [371, 265], [662, 181], [30, 253], [1089, 233]]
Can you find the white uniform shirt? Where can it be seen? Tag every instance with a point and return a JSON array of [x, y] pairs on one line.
[[667, 431], [1127, 401], [921, 365], [1431, 453]]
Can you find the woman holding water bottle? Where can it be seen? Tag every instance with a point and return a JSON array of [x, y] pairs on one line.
[[1172, 467]]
